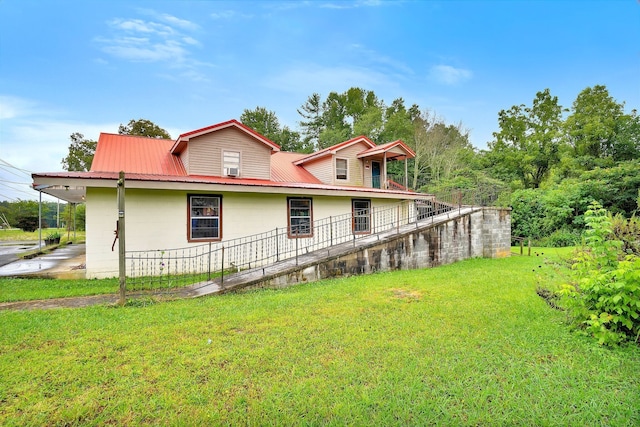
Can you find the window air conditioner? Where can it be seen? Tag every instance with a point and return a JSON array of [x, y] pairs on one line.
[[232, 172]]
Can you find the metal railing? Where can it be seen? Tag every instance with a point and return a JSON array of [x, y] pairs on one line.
[[170, 268]]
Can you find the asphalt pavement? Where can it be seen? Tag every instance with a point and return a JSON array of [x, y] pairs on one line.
[[66, 261]]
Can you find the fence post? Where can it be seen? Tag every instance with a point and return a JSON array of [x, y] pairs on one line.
[[529, 247], [522, 246], [209, 267], [331, 231], [222, 269]]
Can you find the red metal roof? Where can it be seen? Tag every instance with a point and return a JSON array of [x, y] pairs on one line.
[[332, 150], [150, 159], [379, 149], [136, 154], [200, 179], [283, 169]]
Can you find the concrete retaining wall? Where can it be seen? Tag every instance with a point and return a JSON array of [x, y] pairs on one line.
[[483, 233]]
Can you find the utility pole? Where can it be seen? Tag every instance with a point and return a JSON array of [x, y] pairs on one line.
[[121, 239]]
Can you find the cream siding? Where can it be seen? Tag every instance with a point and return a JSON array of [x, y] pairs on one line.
[[355, 170], [158, 219], [205, 154], [322, 169]]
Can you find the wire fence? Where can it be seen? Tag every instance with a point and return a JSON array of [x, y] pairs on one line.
[[171, 268]]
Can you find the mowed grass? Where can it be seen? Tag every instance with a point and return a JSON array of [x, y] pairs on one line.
[[464, 344], [17, 235], [20, 289]]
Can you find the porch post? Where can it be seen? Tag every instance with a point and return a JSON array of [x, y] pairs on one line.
[[406, 174], [40, 221], [121, 239], [386, 178]]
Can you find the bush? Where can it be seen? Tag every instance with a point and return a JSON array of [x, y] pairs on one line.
[[560, 239], [604, 299], [27, 223]]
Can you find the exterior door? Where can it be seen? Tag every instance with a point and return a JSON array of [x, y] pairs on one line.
[[375, 174]]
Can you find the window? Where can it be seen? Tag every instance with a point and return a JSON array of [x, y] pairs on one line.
[[231, 163], [341, 168], [361, 216], [204, 217], [300, 217]]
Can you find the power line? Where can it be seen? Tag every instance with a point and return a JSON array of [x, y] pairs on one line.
[[16, 168]]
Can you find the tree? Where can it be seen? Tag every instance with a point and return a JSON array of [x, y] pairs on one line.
[[529, 140], [313, 124], [440, 148], [334, 115], [591, 127], [266, 123], [143, 127], [81, 153]]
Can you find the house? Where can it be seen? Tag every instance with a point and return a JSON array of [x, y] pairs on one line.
[[222, 182]]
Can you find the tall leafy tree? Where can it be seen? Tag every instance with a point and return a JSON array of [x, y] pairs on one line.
[[266, 123], [528, 143], [143, 127], [81, 151], [595, 123], [334, 115]]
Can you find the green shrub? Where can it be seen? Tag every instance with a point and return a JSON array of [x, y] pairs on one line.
[[28, 223], [560, 239], [604, 299]]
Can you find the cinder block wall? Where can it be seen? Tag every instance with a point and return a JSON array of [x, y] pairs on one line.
[[483, 233]]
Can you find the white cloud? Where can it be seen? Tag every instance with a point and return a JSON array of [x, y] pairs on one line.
[[446, 74], [163, 39]]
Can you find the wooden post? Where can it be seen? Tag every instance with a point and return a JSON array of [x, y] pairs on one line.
[[529, 254], [121, 240]]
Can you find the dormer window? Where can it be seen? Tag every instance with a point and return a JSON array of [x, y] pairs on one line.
[[341, 169], [231, 163]]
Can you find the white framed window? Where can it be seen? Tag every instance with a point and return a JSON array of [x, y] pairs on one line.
[[300, 217], [205, 217], [361, 210], [231, 163], [342, 168]]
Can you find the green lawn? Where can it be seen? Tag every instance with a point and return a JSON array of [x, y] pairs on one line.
[[465, 344], [17, 235], [14, 289]]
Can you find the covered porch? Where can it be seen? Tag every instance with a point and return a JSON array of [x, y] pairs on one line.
[[375, 161]]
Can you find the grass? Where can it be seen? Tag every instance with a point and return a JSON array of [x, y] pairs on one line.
[[17, 235], [465, 344], [17, 289]]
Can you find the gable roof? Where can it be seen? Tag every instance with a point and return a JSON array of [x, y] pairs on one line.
[[380, 149], [135, 154], [183, 139], [334, 149]]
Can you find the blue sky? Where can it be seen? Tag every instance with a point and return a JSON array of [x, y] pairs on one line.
[[87, 66]]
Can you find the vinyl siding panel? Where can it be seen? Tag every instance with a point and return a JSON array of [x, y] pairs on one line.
[[205, 154], [322, 169], [355, 169]]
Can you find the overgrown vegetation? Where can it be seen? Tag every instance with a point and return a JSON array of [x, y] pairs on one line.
[[465, 344], [604, 297]]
